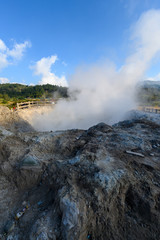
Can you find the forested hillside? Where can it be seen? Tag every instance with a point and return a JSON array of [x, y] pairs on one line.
[[10, 94], [20, 91], [148, 93]]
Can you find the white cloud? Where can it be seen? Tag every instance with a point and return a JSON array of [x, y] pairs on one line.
[[43, 68], [132, 6], [31, 84], [150, 78], [4, 80], [2, 46], [64, 63], [18, 50], [155, 78], [3, 60], [9, 56]]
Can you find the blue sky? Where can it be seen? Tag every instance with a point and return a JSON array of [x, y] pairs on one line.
[[45, 40]]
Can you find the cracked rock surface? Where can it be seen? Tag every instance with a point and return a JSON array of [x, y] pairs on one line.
[[81, 184]]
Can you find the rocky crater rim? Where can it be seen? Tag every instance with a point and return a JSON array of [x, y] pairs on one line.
[[101, 183]]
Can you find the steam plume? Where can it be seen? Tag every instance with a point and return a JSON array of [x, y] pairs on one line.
[[100, 92]]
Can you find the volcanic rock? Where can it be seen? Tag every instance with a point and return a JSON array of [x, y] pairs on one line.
[[82, 184]]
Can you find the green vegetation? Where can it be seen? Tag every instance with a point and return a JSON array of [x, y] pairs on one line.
[[10, 94], [149, 95]]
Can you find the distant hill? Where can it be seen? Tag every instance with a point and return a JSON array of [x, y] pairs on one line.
[[149, 83], [152, 82], [148, 93], [20, 91]]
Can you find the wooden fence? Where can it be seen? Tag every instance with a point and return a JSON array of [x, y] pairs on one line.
[[150, 109], [30, 104]]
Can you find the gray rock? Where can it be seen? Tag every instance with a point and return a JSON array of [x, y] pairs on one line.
[[9, 226], [81, 183], [42, 236], [30, 161]]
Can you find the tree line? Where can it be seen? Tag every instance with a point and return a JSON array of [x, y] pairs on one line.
[[20, 91], [149, 94]]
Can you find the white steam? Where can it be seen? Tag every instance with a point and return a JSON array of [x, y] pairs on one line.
[[99, 92]]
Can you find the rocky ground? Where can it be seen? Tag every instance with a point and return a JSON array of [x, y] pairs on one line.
[[101, 184]]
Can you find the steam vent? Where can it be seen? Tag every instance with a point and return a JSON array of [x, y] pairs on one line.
[[101, 184]]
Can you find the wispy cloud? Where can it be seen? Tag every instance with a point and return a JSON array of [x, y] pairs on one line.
[[64, 63], [18, 50], [154, 78], [2, 46], [4, 80], [131, 6], [43, 68], [9, 56]]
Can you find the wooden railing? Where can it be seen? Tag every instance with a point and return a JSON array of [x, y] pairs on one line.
[[150, 109], [30, 104]]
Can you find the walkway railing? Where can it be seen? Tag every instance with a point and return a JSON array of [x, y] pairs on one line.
[[150, 109], [30, 104]]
